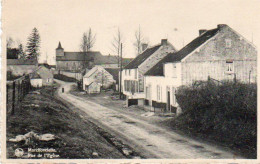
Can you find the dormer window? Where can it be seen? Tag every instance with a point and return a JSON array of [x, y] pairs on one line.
[[228, 43]]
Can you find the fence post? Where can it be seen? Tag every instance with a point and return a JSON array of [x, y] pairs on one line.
[[18, 91], [13, 105], [7, 89]]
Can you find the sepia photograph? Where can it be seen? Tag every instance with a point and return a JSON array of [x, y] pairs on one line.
[[129, 80]]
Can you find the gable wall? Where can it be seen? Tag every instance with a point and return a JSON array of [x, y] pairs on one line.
[[210, 60], [152, 61], [102, 76]]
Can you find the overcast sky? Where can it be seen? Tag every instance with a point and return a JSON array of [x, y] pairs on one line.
[[176, 20]]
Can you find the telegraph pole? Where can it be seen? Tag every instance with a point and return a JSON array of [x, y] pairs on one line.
[[120, 81]]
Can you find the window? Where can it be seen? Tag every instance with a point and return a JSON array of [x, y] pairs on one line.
[[229, 66], [129, 72], [135, 73], [158, 93], [125, 71], [228, 43]]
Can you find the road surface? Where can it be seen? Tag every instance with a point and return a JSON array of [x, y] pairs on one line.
[[150, 140]]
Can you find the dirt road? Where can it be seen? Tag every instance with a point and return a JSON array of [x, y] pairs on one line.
[[151, 140]]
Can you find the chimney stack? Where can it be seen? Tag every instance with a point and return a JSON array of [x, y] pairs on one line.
[[201, 31], [144, 46], [221, 26], [164, 42]]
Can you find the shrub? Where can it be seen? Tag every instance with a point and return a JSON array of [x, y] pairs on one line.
[[226, 112]]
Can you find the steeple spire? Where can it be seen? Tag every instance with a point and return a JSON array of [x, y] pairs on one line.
[[59, 46]]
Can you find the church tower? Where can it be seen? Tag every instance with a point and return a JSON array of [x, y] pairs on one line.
[[59, 50]]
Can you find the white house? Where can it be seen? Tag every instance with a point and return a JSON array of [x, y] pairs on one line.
[[42, 76], [99, 75], [36, 80], [92, 87], [220, 53], [132, 74]]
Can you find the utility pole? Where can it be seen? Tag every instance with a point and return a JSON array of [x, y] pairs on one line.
[[118, 56], [120, 81]]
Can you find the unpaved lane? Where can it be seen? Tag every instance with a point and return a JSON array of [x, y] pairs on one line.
[[156, 140]]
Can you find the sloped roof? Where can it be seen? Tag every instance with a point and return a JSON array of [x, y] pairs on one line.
[[94, 56], [35, 75], [102, 59], [44, 72], [126, 61], [88, 81], [142, 57], [114, 72], [21, 62], [157, 70], [90, 72], [71, 56]]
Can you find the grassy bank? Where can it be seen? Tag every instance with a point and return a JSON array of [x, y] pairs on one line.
[[224, 113], [74, 137]]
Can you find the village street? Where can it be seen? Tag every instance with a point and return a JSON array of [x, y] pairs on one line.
[[150, 140]]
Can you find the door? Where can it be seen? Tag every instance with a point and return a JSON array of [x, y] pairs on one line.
[[168, 101], [168, 107]]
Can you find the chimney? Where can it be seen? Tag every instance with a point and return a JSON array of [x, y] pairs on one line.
[[144, 46], [221, 26], [164, 42], [201, 31]]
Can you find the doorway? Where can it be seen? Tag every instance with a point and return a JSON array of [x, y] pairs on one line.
[[168, 105]]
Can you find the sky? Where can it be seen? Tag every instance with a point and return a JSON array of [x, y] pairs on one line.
[[176, 20]]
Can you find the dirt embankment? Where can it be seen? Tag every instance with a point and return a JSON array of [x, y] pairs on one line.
[[42, 113]]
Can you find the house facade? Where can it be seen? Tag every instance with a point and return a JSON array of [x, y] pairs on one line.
[[133, 73], [221, 54], [36, 81], [43, 76], [99, 75]]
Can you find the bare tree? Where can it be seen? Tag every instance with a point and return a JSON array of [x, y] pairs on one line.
[[83, 44], [138, 41], [116, 43], [9, 42], [88, 41]]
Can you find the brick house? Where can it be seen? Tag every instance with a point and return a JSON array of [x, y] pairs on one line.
[[219, 53], [132, 74]]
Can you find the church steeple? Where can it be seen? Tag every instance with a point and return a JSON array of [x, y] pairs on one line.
[[59, 50], [59, 46]]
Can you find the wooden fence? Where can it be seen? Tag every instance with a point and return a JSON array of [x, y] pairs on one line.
[[15, 92]]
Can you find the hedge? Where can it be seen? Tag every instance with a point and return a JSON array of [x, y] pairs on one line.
[[225, 112]]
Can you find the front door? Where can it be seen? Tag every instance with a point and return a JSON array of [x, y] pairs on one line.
[[168, 107]]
